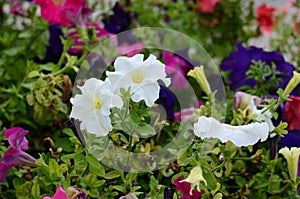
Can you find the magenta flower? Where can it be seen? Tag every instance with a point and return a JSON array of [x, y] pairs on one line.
[[177, 68], [59, 194], [207, 6], [54, 11], [15, 155], [185, 187]]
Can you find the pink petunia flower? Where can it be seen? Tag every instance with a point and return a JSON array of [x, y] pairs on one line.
[[265, 19], [177, 68], [15, 155], [207, 6], [54, 11], [59, 194], [185, 187]]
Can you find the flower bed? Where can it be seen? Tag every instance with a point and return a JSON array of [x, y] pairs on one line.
[[157, 99]]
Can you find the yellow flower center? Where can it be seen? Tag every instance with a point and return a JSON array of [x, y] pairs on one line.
[[58, 2], [98, 103], [137, 77]]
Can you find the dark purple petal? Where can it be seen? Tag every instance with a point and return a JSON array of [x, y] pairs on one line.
[[167, 100], [82, 194], [118, 22], [55, 47], [3, 172], [16, 138], [292, 139], [168, 193], [13, 157]]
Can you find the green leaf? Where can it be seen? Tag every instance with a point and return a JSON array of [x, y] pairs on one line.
[[112, 175], [94, 193], [90, 179], [14, 50], [48, 67], [32, 74], [30, 100], [120, 188], [75, 140], [24, 190], [35, 190], [68, 132], [95, 166], [54, 170], [25, 34]]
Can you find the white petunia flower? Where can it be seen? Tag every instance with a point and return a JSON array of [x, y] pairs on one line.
[[141, 76], [239, 135], [262, 117], [92, 107]]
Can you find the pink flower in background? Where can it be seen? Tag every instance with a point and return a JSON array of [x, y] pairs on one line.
[[15, 155], [185, 115], [207, 6], [54, 10], [289, 5], [177, 68], [130, 49], [265, 19], [59, 194]]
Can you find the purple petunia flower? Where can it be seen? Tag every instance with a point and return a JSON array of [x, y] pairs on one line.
[[239, 62], [119, 21], [15, 155], [292, 139], [167, 100], [185, 187]]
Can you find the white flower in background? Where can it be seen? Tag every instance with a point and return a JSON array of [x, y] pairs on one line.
[[239, 135], [141, 76], [292, 157], [92, 107]]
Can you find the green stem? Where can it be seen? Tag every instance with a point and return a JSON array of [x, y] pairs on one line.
[[219, 166]]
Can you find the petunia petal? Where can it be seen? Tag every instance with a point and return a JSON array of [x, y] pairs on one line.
[[239, 135], [148, 92]]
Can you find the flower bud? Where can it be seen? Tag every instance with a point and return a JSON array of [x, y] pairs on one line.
[[292, 157], [198, 74], [292, 84]]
